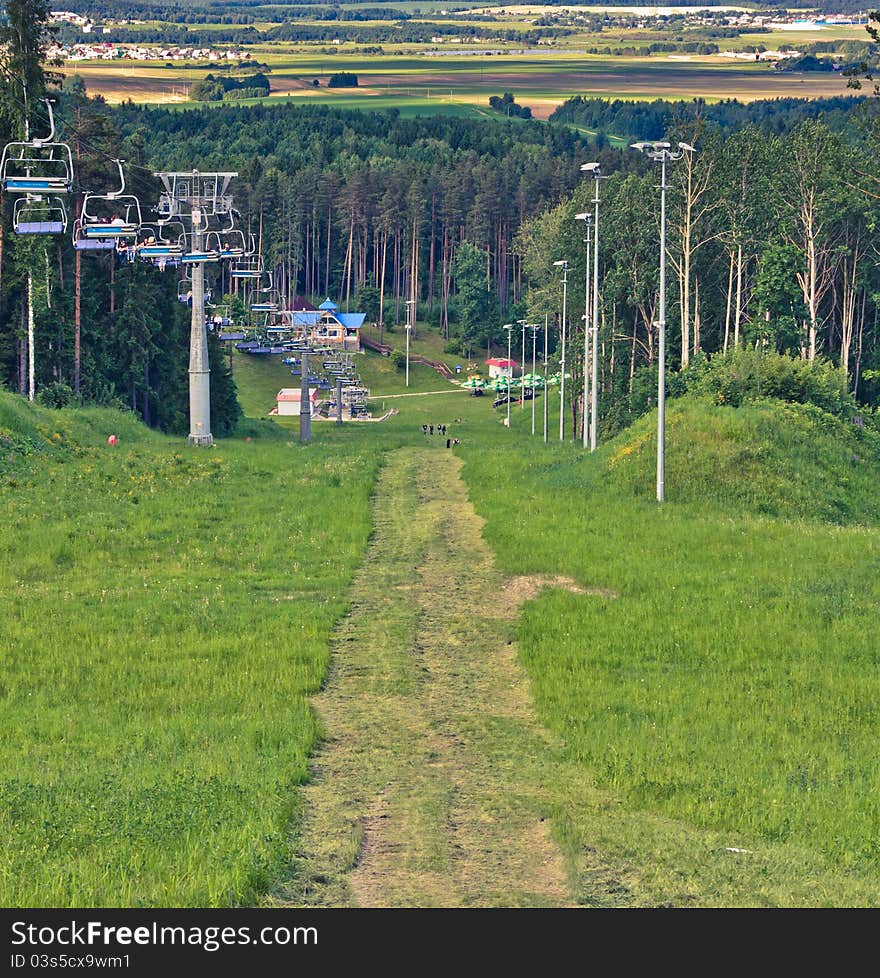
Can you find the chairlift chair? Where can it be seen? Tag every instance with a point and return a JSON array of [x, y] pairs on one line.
[[42, 167], [151, 246], [39, 215], [271, 303], [229, 243], [198, 256], [113, 216], [248, 270]]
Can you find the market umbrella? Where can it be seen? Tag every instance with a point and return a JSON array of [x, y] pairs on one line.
[[533, 380], [475, 383]]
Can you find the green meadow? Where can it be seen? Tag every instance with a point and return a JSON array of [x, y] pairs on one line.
[[169, 611]]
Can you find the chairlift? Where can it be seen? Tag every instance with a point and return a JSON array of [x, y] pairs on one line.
[[38, 166], [229, 243], [198, 256], [184, 292], [114, 216], [271, 303], [249, 270], [39, 215], [151, 246]]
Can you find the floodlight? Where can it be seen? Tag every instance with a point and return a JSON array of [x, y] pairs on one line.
[[686, 147], [561, 263], [582, 217], [589, 167]]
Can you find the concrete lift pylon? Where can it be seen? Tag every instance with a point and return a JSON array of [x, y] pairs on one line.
[[196, 197]]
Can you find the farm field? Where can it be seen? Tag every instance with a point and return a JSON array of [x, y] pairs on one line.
[[172, 610], [449, 80]]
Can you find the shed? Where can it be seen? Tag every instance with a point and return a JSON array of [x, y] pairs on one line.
[[502, 368], [287, 401]]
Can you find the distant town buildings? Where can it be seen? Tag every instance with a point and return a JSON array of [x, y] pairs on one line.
[[105, 51]]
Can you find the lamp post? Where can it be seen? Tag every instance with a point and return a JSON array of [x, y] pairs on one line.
[[509, 328], [546, 393], [563, 264], [664, 153], [534, 328], [409, 305], [596, 171], [586, 218], [522, 369]]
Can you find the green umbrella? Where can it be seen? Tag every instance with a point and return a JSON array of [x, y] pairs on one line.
[[533, 380], [476, 383], [553, 380]]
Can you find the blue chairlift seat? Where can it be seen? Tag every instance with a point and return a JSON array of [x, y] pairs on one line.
[[166, 250], [39, 215], [40, 227], [199, 257], [36, 185], [109, 231], [94, 244]]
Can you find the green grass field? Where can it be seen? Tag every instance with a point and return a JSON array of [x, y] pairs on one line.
[[732, 683], [169, 610]]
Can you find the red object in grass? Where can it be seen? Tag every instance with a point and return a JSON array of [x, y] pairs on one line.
[[248, 438], [112, 440]]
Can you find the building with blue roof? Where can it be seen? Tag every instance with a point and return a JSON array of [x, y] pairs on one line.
[[325, 325]]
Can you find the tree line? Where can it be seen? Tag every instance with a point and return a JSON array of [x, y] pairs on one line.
[[85, 327], [772, 240], [772, 245]]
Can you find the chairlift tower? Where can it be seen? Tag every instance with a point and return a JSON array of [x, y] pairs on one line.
[[194, 199]]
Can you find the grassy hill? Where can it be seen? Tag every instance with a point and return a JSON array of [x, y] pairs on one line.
[[729, 677], [168, 613], [793, 461]]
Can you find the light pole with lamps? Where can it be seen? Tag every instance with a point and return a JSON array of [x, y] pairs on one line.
[[522, 399], [563, 264], [409, 305], [534, 328], [596, 171], [664, 153], [546, 392], [509, 328], [586, 218]]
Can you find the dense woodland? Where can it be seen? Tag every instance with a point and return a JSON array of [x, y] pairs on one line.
[[772, 236], [651, 120]]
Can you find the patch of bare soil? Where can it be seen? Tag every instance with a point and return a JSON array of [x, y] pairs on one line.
[[435, 782]]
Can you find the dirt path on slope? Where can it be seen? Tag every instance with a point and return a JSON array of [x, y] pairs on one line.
[[435, 783]]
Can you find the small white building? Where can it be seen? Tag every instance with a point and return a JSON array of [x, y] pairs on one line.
[[287, 401], [502, 367]]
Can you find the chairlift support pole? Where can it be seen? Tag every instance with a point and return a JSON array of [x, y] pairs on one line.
[[305, 403], [199, 369], [197, 197]]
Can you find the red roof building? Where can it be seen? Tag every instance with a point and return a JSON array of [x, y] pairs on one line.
[[502, 367], [287, 401]]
